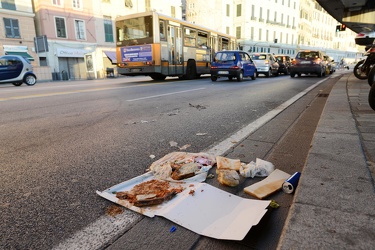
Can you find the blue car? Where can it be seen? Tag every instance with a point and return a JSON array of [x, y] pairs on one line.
[[17, 70], [232, 64]]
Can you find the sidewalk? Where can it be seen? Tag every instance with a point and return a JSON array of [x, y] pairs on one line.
[[334, 204]]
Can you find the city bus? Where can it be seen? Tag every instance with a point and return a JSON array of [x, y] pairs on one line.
[[156, 45]]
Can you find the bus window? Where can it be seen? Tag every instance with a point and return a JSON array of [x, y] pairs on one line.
[[190, 37], [224, 44], [202, 40], [162, 31], [137, 30]]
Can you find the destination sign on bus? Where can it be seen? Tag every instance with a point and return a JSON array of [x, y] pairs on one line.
[[136, 53]]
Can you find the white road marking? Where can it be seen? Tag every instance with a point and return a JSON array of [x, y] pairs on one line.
[[106, 229], [171, 93]]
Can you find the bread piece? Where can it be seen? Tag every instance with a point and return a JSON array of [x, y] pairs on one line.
[[226, 163], [228, 177], [186, 171]]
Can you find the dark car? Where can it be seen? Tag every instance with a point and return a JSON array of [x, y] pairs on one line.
[[284, 63], [308, 62], [232, 64], [17, 70]]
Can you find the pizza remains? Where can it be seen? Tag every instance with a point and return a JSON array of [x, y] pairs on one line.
[[149, 193]]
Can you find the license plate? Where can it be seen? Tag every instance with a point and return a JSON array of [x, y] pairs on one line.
[[305, 62], [135, 70], [223, 72]]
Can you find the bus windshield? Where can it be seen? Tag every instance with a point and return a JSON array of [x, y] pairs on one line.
[[134, 31]]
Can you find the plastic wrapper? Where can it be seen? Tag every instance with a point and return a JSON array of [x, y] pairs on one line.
[[260, 168]]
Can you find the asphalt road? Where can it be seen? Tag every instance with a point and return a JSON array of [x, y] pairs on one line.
[[61, 141]]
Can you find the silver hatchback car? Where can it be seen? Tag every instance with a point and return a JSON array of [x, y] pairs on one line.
[[266, 64]]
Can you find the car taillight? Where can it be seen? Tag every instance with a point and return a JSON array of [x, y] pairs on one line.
[[361, 34], [371, 50], [294, 61], [235, 67], [214, 67], [266, 62]]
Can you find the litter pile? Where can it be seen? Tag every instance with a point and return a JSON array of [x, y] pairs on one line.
[[174, 189]]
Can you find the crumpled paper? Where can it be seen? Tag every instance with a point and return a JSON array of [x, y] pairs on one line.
[[260, 168]]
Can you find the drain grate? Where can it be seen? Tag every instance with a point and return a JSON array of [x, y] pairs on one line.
[[323, 95]]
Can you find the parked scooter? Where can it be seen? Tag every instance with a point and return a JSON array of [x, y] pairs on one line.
[[363, 67], [16, 70]]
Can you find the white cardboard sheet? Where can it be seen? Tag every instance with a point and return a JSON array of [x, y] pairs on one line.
[[209, 211]]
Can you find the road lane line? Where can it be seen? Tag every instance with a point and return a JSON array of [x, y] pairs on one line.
[[166, 94], [106, 229]]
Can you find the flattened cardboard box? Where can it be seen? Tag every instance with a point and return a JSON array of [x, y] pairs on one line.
[[207, 211]]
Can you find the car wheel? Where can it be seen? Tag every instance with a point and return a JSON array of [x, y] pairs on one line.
[[17, 83], [254, 76], [299, 74], [213, 78], [30, 80], [230, 78], [319, 74], [287, 71], [268, 73], [292, 74], [240, 76], [158, 77]]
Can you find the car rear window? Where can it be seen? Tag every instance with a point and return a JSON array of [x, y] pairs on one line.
[[225, 56], [307, 55], [259, 57]]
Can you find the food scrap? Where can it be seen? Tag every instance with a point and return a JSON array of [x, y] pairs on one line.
[[149, 193]]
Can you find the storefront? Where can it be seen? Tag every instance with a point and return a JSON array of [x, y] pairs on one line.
[[18, 50]]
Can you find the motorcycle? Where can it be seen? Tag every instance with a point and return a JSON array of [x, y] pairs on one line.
[[363, 67], [371, 97]]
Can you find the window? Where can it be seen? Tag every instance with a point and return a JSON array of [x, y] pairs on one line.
[[60, 27], [108, 29], [77, 4], [80, 29], [238, 9], [228, 10], [8, 4], [227, 30], [58, 2], [163, 36], [128, 3], [12, 29], [173, 11], [190, 37], [106, 1], [238, 32], [147, 5]]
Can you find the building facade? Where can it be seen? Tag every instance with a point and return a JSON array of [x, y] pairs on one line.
[[81, 33], [17, 33], [275, 26]]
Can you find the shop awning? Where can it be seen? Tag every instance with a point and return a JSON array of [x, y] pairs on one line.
[[24, 54], [111, 56]]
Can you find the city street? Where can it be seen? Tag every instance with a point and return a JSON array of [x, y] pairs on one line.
[[62, 141]]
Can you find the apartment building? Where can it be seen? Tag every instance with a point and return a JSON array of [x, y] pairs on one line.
[[81, 33], [274, 26], [17, 29]]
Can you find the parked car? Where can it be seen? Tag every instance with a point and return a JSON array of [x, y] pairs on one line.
[[266, 64], [17, 70], [308, 62], [365, 38], [284, 62], [232, 64]]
